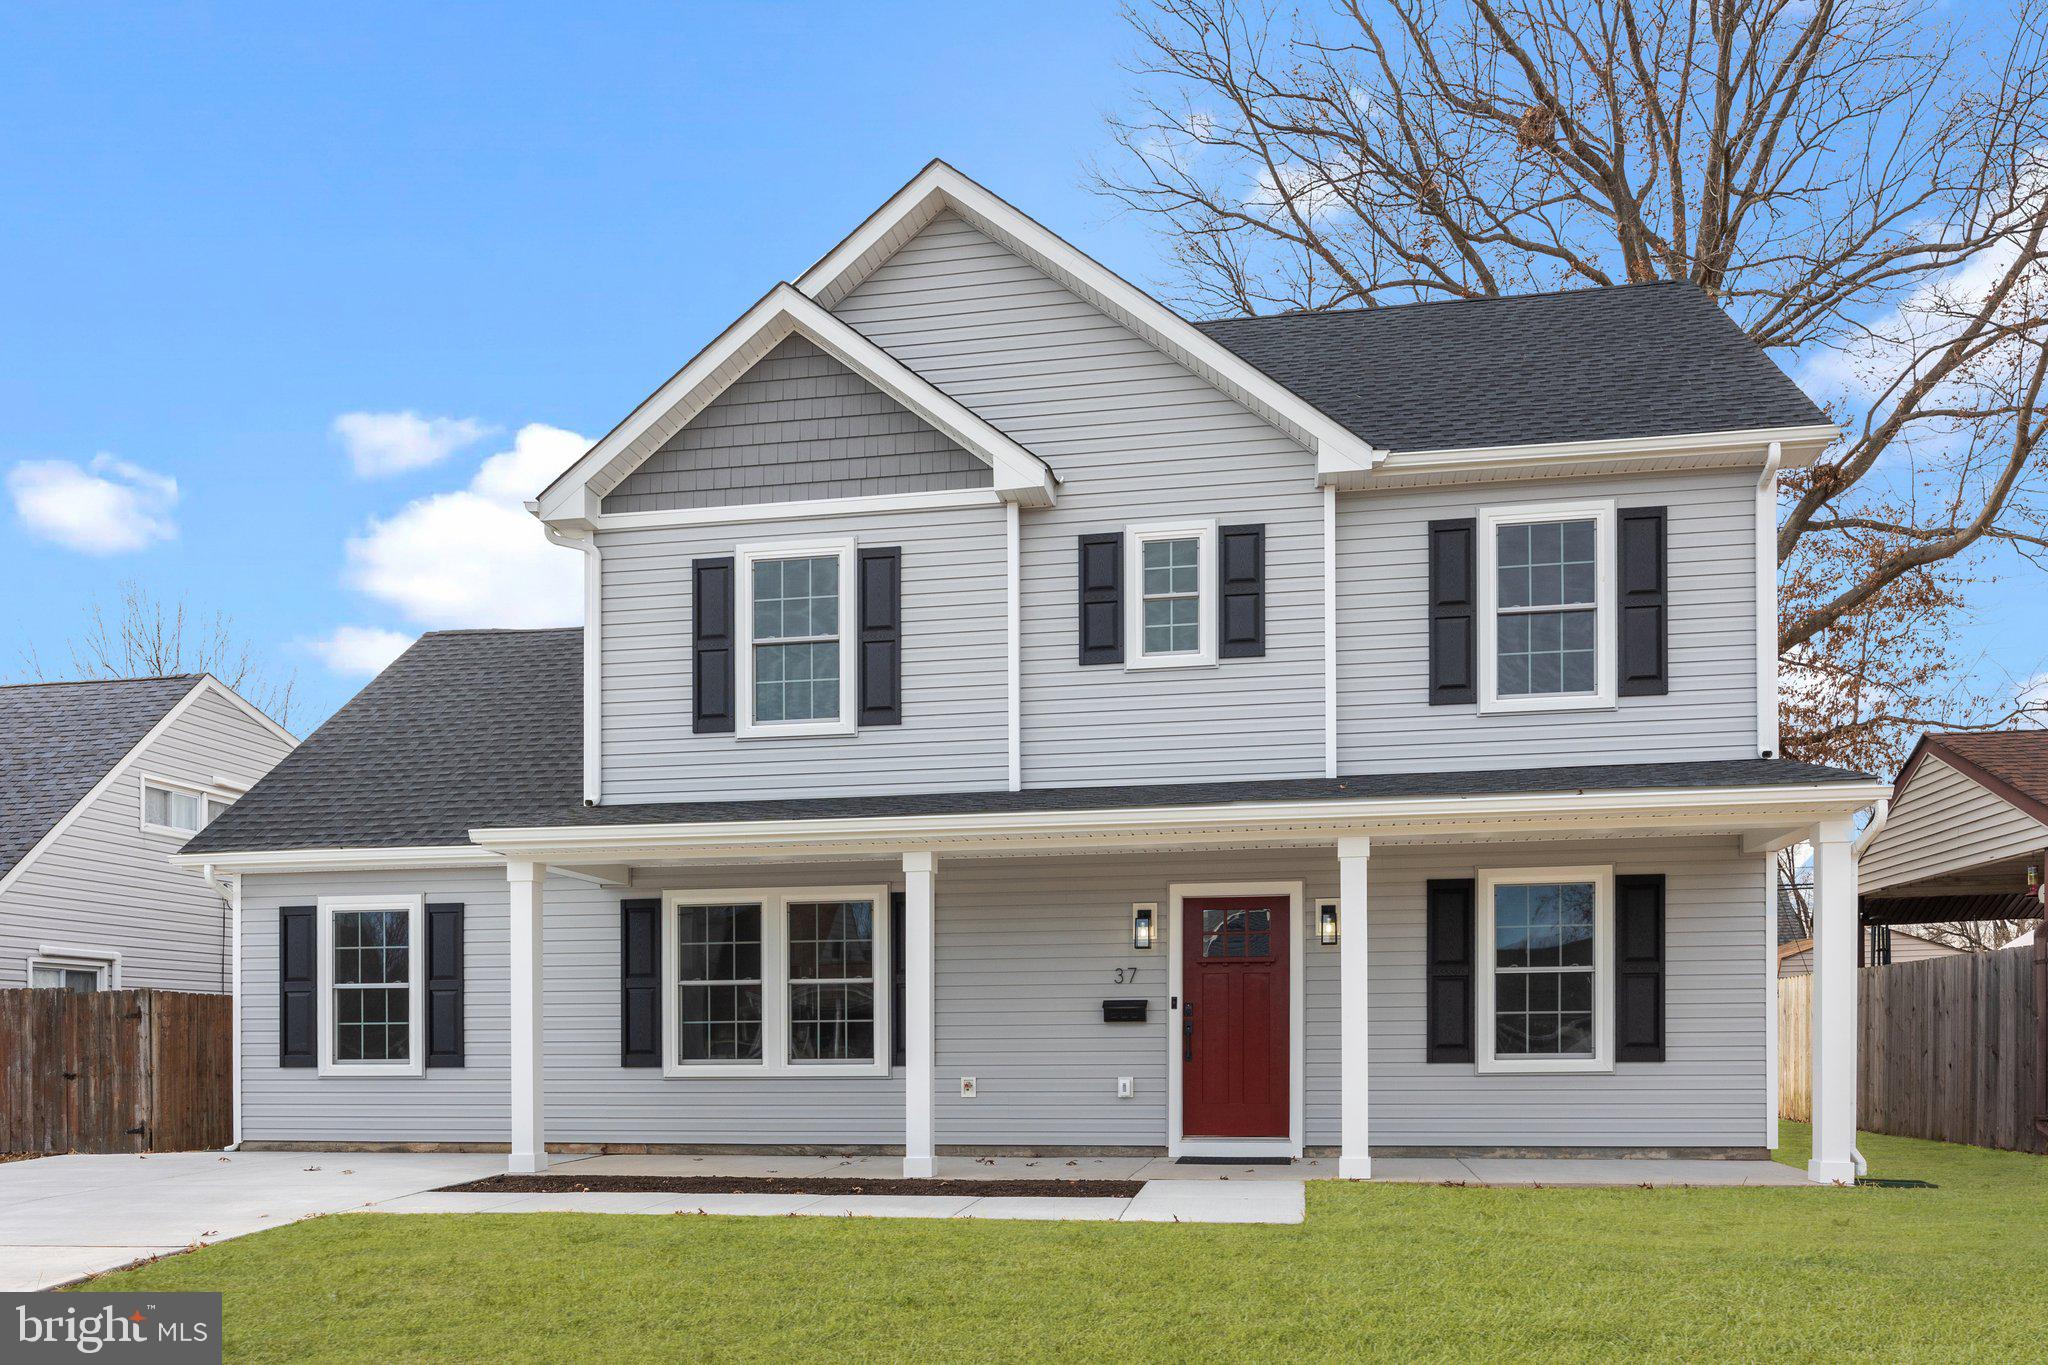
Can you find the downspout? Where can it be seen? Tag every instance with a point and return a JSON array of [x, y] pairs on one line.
[[229, 889], [593, 646]]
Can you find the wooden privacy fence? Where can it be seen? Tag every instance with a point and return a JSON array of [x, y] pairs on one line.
[[1948, 1048], [114, 1071]]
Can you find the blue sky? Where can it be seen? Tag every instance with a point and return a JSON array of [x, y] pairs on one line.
[[227, 228]]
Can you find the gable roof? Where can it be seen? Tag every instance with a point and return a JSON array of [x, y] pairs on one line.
[[58, 740], [483, 729], [576, 496], [1626, 362], [1341, 453], [2013, 764]]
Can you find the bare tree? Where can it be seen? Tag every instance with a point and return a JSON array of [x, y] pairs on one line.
[[1977, 936], [1862, 184], [146, 637]]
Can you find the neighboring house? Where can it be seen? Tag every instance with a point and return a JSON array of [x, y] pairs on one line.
[[104, 782], [1013, 717], [1965, 835]]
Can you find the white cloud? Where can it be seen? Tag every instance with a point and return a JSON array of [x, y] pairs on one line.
[[380, 443], [360, 650], [107, 507], [474, 557]]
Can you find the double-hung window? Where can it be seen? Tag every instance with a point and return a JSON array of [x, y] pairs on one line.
[[1546, 607], [795, 670], [180, 808], [1172, 566], [776, 982], [372, 985], [1545, 982]]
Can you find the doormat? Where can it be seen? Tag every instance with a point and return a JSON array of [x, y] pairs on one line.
[[1234, 1161], [794, 1184]]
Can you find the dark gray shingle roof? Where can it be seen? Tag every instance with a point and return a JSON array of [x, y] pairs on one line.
[[483, 728], [58, 739], [1581, 365]]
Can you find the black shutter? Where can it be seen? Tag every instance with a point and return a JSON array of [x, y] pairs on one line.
[[1241, 566], [444, 985], [1639, 969], [640, 983], [1453, 609], [298, 954], [881, 637], [711, 645], [896, 1029], [1102, 598], [1644, 614], [1451, 960]]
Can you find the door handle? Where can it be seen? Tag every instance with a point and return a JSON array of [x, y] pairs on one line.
[[1187, 1034]]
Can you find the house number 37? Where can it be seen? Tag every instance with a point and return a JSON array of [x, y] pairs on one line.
[[1125, 975]]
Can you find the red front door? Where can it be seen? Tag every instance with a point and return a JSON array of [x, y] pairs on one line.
[[1234, 1017]]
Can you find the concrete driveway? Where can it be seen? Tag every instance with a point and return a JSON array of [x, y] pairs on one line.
[[64, 1217]]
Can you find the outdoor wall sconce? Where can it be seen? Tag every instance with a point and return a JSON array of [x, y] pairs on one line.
[[1141, 925], [1326, 923]]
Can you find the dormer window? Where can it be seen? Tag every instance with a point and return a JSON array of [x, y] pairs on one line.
[[795, 603], [1173, 566]]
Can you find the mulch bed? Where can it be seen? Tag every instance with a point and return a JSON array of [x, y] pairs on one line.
[[782, 1184], [23, 1156]]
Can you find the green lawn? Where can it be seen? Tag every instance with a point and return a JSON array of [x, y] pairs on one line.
[[1408, 1271]]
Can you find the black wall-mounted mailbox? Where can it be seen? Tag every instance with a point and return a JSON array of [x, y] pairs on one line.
[[1123, 1011]]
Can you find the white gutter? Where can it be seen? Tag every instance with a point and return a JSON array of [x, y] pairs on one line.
[[1767, 603]]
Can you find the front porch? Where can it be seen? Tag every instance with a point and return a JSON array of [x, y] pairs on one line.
[[1042, 1000]]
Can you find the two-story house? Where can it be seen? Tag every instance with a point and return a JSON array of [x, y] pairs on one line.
[[1012, 717], [104, 780]]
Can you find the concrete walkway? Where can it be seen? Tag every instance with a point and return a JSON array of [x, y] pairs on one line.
[[65, 1217]]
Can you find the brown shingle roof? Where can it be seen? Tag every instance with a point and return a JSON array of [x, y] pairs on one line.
[[2017, 758]]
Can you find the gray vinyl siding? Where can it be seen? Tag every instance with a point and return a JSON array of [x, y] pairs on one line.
[[1945, 822], [1385, 722], [797, 425], [1134, 437], [954, 735], [105, 883], [1026, 952]]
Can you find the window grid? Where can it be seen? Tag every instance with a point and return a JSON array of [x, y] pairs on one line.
[[1172, 595], [372, 986], [1546, 608], [1237, 933], [1544, 973], [796, 631], [831, 981], [718, 950]]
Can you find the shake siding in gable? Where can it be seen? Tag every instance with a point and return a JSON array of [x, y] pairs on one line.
[[1134, 437], [955, 688], [105, 883], [1385, 722], [798, 425]]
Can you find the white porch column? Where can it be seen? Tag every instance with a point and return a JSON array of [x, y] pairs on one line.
[[529, 1137], [1834, 1005], [918, 876], [1354, 1161]]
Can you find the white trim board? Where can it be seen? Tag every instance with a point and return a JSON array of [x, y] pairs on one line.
[[576, 498], [1339, 452], [1178, 1145]]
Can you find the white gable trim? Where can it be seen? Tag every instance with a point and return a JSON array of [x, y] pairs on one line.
[[576, 497], [1340, 454]]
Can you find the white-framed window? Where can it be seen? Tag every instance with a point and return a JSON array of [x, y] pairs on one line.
[[181, 809], [1546, 607], [777, 982], [1546, 985], [1170, 570], [372, 986], [796, 669], [79, 970]]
